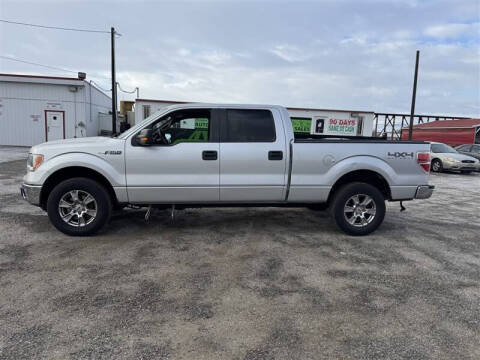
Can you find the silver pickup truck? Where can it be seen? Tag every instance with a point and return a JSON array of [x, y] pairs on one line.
[[223, 155]]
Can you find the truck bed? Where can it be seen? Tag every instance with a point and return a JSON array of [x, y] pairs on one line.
[[309, 138]]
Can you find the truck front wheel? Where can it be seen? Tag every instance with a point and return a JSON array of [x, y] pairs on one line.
[[79, 206], [358, 208]]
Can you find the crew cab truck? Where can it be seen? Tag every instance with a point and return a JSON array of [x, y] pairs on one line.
[[197, 155]]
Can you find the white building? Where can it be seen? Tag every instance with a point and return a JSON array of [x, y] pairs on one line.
[[35, 109], [305, 120]]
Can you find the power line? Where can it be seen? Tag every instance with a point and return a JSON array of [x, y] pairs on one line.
[[55, 27], [48, 66], [96, 84], [127, 92], [32, 63]]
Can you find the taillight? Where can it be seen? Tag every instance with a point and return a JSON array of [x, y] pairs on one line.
[[423, 159]]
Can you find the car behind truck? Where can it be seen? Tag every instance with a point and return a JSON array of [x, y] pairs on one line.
[[197, 155]]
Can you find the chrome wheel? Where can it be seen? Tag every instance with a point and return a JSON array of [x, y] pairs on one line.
[[360, 210], [77, 208], [436, 166]]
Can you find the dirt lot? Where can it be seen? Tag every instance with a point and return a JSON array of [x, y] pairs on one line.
[[243, 283]]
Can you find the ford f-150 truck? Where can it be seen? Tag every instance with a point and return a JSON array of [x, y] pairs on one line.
[[223, 155]]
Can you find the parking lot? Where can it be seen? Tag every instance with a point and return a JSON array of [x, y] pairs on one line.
[[255, 283]]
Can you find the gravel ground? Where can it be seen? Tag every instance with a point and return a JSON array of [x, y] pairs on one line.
[[243, 283]]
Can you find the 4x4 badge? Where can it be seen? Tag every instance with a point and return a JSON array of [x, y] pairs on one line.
[[400, 155]]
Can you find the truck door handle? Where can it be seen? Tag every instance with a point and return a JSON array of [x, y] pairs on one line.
[[209, 155], [275, 155]]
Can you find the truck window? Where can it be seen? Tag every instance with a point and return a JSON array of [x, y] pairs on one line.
[[183, 126], [249, 126]]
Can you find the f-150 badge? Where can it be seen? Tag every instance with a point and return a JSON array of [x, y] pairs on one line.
[[112, 152]]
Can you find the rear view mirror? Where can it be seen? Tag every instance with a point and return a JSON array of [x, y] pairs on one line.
[[144, 137]]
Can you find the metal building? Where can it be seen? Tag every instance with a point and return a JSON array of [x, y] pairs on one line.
[[305, 120], [35, 109], [450, 132]]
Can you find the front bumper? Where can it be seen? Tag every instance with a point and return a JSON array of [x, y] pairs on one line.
[[31, 193], [424, 191], [459, 166]]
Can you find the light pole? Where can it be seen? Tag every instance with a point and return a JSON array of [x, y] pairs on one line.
[[414, 95], [114, 84]]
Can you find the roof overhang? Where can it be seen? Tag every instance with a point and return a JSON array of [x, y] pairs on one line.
[[35, 79], [288, 108]]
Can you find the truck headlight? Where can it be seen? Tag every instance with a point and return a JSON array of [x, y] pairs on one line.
[[34, 161]]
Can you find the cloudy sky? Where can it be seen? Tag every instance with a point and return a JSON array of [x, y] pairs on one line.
[[348, 54]]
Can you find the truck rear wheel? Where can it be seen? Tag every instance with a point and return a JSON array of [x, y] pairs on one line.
[[358, 208], [79, 206]]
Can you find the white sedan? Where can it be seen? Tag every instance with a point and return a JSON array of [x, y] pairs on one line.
[[445, 157]]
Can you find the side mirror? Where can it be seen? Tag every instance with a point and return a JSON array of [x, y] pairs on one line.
[[144, 137]]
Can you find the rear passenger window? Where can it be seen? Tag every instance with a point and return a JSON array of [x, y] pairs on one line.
[[249, 126]]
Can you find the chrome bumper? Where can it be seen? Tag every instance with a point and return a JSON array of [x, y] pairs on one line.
[[424, 191], [31, 193]]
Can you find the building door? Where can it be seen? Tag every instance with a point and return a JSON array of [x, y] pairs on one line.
[[54, 125]]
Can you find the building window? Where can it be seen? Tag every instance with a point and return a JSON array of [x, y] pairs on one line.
[[359, 119], [146, 111]]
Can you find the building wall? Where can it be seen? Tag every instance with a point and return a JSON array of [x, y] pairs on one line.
[[23, 105], [96, 103], [367, 117], [330, 115], [449, 136], [153, 107]]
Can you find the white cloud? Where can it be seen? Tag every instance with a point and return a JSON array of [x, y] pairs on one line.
[[332, 54], [451, 31], [290, 53]]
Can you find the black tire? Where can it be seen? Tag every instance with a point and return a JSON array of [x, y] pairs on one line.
[[103, 206], [437, 165], [343, 197]]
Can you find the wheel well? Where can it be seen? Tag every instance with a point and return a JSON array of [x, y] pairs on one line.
[[366, 176], [71, 172]]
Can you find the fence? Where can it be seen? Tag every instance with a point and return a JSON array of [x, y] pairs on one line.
[[390, 125]]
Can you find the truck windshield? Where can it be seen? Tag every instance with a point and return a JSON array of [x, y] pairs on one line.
[[442, 148]]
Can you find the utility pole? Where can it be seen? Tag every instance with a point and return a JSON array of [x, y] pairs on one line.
[[114, 84], [414, 95]]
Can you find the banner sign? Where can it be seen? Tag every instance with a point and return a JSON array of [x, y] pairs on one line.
[[325, 126], [301, 125], [342, 126]]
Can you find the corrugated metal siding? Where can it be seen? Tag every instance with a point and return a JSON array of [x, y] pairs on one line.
[[23, 105], [452, 137]]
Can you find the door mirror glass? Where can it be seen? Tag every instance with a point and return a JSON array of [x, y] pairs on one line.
[[144, 137]]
